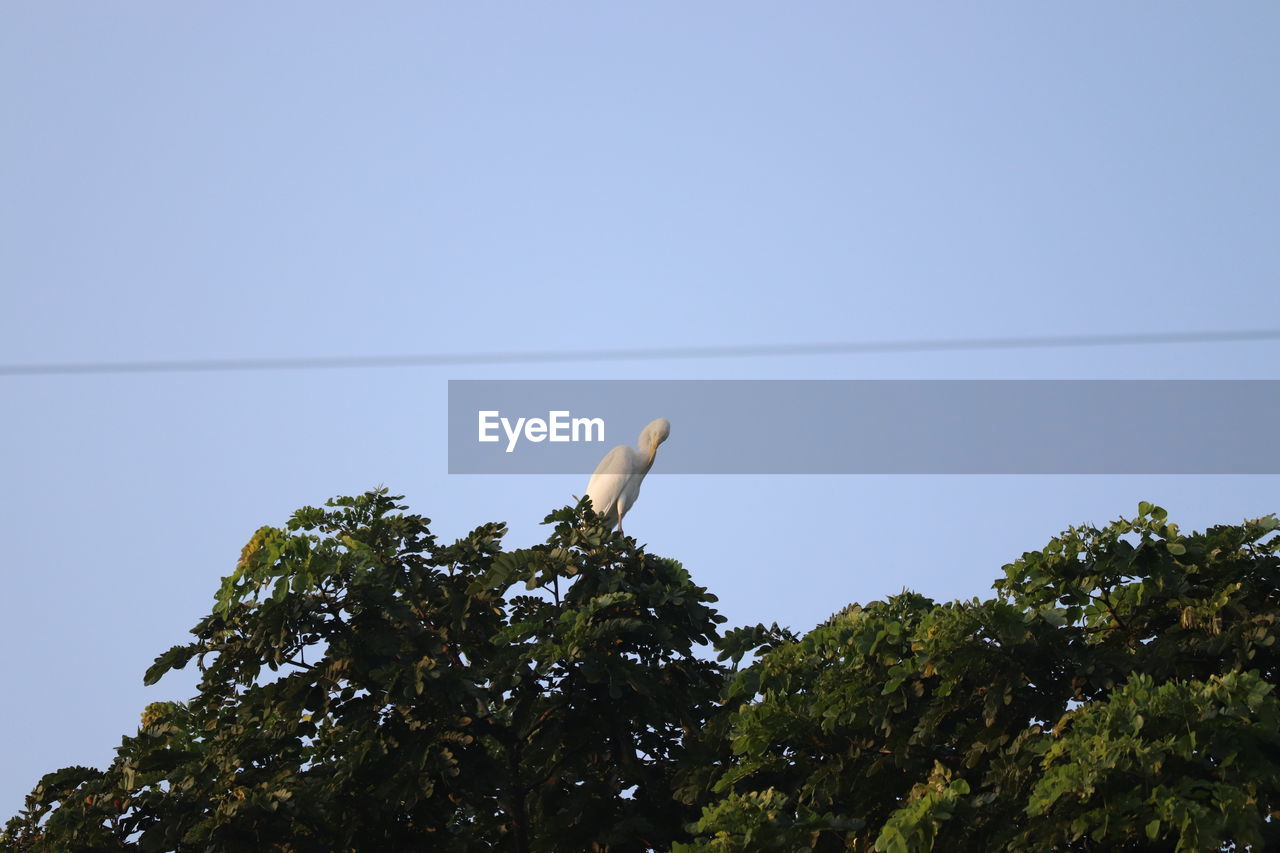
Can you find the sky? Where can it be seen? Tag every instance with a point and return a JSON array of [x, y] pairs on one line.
[[200, 181]]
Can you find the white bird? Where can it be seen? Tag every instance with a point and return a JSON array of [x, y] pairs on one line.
[[615, 485]]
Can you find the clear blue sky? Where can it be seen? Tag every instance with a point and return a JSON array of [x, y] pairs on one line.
[[294, 179]]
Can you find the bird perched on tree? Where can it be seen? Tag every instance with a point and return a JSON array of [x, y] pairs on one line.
[[616, 483]]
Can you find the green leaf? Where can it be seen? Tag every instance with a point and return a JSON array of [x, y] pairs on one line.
[[176, 657]]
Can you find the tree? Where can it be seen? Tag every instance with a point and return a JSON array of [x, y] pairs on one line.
[[1117, 695], [364, 688]]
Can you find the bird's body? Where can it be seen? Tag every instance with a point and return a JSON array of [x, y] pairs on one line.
[[615, 485]]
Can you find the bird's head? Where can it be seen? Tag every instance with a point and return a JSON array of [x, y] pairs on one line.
[[653, 435]]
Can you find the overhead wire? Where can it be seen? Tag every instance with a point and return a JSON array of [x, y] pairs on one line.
[[634, 353]]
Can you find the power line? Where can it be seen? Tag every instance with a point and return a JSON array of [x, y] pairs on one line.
[[636, 353]]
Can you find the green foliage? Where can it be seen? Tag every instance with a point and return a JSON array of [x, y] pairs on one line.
[[366, 688], [1190, 761], [762, 820], [1117, 695]]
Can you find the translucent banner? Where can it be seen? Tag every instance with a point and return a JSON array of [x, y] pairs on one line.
[[871, 426]]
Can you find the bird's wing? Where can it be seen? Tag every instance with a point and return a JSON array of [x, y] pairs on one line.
[[616, 461], [609, 478]]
